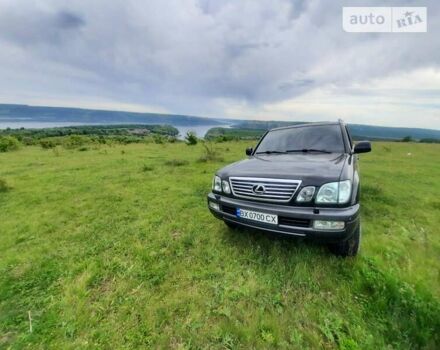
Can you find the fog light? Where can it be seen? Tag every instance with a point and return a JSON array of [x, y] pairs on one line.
[[328, 225], [214, 206]]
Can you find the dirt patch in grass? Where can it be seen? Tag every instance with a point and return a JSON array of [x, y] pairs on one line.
[[4, 187], [176, 162], [146, 168]]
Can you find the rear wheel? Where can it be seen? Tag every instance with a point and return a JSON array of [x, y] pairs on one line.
[[231, 225], [350, 247]]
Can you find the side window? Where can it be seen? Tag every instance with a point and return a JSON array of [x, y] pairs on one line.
[[349, 137]]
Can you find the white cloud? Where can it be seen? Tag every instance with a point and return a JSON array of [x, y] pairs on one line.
[[231, 58], [408, 99]]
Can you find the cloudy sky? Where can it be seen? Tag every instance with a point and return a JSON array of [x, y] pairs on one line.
[[265, 59]]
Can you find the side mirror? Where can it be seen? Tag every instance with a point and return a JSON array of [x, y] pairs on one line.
[[249, 151], [362, 147]]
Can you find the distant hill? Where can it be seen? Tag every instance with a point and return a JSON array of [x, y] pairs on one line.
[[25, 113], [382, 132], [15, 113], [358, 131], [226, 134]]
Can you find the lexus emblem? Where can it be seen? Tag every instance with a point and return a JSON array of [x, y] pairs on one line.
[[259, 189]]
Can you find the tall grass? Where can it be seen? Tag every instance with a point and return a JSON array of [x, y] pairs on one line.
[[210, 153]]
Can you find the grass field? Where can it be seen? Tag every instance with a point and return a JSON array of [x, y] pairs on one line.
[[114, 248]]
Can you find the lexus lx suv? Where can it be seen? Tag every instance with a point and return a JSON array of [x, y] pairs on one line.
[[300, 180]]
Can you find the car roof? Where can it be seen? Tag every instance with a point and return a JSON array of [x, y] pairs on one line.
[[307, 124]]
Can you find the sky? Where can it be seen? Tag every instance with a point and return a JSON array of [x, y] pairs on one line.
[[245, 59]]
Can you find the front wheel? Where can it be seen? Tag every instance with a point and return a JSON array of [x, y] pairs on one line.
[[350, 247]]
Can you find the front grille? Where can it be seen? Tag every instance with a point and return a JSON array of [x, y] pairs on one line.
[[283, 220], [271, 190]]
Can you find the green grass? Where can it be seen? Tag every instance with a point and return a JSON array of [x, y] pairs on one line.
[[114, 248]]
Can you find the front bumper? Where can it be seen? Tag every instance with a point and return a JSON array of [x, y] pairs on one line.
[[295, 221]]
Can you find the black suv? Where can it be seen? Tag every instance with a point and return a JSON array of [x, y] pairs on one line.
[[300, 180]]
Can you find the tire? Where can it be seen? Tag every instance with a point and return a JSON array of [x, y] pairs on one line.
[[350, 247], [231, 225]]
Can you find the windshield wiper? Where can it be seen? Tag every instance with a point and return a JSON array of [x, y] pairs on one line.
[[270, 152], [305, 150]]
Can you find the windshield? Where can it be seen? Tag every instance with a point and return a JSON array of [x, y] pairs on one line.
[[313, 138]]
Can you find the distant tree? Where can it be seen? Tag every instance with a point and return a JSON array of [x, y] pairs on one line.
[[8, 143], [430, 140], [47, 143], [75, 141], [158, 138], [407, 139], [26, 140], [191, 138]]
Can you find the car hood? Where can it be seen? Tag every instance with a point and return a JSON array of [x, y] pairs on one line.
[[311, 169]]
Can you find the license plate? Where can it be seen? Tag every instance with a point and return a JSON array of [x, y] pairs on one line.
[[257, 216]]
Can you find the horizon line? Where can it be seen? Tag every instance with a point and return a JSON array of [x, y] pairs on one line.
[[164, 114]]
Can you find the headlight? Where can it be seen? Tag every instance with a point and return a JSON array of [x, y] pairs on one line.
[[334, 192], [328, 193], [344, 191], [217, 184], [225, 186], [306, 194]]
